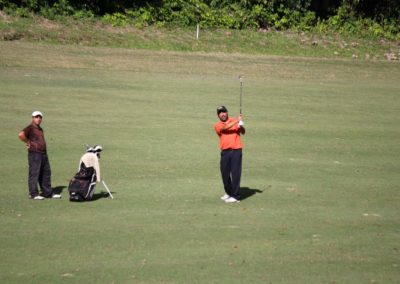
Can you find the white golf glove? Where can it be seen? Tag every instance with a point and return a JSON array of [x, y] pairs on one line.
[[241, 123]]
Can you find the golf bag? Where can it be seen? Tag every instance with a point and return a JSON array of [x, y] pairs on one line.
[[82, 185]]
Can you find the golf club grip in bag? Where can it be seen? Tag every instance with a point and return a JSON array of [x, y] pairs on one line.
[[82, 185]]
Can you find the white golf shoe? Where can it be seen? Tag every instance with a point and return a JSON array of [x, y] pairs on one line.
[[38, 197], [225, 197], [56, 196], [232, 200]]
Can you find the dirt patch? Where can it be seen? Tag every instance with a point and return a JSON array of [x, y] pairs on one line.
[[117, 30], [48, 24], [4, 17], [11, 35]]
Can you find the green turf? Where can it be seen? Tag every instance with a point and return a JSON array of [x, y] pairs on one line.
[[320, 173]]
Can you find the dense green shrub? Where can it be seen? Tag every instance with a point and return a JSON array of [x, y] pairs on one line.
[[379, 18], [116, 19]]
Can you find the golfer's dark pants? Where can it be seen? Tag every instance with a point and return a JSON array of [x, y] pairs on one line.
[[231, 171], [39, 173]]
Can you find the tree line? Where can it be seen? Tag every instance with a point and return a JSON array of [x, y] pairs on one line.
[[379, 18]]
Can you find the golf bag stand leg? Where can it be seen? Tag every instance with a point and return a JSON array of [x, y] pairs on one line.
[[108, 190]]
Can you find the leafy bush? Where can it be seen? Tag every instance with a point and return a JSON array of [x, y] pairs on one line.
[[63, 8], [142, 17], [307, 21], [116, 19], [83, 14], [23, 12], [346, 16], [345, 22]]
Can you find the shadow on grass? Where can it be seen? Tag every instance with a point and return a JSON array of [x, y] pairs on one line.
[[58, 189], [96, 196], [246, 192], [102, 194]]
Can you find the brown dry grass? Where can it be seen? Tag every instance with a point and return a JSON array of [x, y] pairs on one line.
[[47, 24], [4, 17]]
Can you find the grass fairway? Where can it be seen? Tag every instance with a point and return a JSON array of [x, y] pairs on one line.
[[320, 174]]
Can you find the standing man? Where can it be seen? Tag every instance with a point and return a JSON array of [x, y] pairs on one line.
[[39, 166], [229, 130]]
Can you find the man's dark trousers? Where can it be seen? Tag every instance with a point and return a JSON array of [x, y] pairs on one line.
[[231, 171], [39, 172]]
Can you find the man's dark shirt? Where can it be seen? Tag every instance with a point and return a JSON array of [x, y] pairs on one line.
[[35, 136]]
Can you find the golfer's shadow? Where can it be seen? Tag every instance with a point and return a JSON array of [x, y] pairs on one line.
[[246, 192]]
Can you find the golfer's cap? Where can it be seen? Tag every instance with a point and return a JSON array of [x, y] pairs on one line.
[[221, 109], [36, 113]]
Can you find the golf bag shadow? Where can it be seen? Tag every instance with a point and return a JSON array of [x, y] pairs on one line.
[[82, 185]]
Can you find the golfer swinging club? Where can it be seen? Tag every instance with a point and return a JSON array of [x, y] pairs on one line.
[[229, 130]]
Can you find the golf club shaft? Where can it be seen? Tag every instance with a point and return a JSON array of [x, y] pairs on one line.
[[241, 94]]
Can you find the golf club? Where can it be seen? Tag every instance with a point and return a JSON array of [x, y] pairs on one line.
[[241, 92]]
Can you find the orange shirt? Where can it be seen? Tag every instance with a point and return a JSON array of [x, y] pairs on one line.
[[229, 138]]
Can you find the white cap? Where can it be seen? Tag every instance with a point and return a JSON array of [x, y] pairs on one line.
[[36, 113]]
